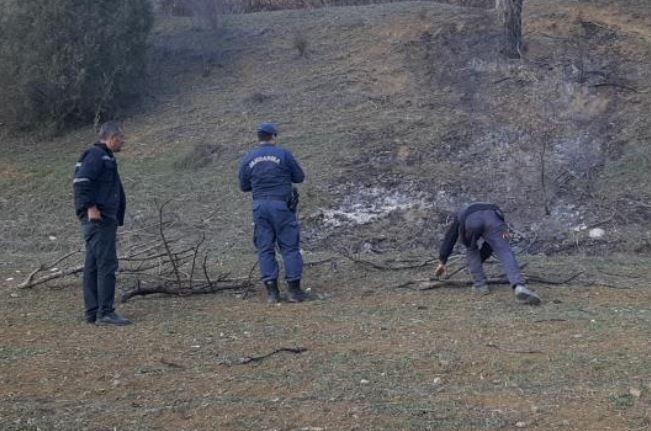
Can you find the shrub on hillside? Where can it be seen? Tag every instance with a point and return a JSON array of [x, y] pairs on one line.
[[65, 62]]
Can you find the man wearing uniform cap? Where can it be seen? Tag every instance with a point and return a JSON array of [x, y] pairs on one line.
[[268, 172]]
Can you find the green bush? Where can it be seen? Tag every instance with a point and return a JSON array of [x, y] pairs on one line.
[[65, 62]]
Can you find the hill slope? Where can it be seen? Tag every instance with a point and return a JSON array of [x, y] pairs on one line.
[[400, 113]]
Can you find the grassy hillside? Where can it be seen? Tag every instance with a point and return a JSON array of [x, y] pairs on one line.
[[400, 113]]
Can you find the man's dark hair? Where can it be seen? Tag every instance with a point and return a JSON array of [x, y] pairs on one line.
[[109, 129], [264, 137]]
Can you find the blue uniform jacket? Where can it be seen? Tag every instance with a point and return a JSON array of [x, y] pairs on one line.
[[269, 171], [97, 182]]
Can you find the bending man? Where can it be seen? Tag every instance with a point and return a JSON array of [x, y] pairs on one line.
[[486, 222]]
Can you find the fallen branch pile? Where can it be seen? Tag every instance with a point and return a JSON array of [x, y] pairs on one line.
[[162, 265]]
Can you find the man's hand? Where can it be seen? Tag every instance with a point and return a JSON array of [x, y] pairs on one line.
[[94, 215], [442, 269]]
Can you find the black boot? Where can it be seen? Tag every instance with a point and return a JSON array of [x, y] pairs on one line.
[[273, 295], [112, 318], [295, 292]]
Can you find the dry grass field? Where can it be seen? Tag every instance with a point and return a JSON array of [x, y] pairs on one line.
[[399, 113]]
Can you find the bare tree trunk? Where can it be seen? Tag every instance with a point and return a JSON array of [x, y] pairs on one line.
[[510, 13]]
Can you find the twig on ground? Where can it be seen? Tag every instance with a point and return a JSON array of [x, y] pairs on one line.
[[170, 363], [455, 272], [502, 80], [608, 285], [550, 320], [618, 275], [249, 359], [533, 352], [616, 85]]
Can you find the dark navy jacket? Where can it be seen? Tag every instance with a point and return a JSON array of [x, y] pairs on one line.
[[97, 182], [458, 227], [269, 171]]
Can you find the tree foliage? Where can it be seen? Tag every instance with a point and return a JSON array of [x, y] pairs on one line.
[[65, 62]]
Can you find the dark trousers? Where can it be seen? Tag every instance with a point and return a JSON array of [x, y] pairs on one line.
[[100, 267], [276, 224], [488, 226]]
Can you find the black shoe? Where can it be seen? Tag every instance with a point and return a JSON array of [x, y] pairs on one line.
[[295, 292], [90, 320], [112, 319], [273, 295]]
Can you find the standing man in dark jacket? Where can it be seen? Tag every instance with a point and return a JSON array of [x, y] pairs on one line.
[[268, 172], [485, 221], [100, 204]]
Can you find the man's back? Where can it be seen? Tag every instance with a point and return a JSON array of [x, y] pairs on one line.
[[269, 171]]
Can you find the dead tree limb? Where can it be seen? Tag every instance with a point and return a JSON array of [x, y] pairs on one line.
[[168, 269], [432, 283], [194, 258], [167, 247], [205, 271], [541, 280], [384, 267], [615, 85], [171, 289], [31, 282]]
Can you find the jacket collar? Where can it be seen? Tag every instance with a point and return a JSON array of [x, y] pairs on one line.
[[103, 146]]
